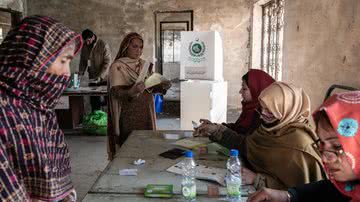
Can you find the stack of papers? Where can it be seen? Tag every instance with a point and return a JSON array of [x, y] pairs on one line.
[[192, 143], [153, 80], [215, 148]]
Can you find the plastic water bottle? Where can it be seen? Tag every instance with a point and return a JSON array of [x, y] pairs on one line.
[[188, 186], [233, 177], [76, 81]]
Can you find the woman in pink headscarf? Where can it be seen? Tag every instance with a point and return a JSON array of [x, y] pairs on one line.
[[339, 145]]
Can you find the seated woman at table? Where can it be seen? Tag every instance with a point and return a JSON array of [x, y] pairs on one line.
[[253, 83], [35, 69], [131, 106], [279, 151], [339, 145]]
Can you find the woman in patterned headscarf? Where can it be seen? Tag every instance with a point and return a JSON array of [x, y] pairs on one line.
[[339, 145], [131, 106], [34, 71]]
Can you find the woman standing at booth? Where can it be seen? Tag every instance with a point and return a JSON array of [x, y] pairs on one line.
[[131, 106]]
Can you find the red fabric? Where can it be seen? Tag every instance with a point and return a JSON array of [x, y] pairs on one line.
[[343, 111], [257, 81]]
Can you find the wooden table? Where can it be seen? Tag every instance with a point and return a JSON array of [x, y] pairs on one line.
[[147, 145], [72, 117]]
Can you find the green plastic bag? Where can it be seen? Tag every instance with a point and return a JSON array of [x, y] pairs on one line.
[[96, 123]]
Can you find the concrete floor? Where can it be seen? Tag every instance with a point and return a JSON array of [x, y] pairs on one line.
[[89, 158]]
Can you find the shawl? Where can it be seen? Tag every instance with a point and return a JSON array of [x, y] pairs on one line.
[[124, 72], [34, 159], [287, 103], [289, 141]]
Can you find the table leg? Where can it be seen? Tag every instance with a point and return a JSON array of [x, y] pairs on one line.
[[77, 109]]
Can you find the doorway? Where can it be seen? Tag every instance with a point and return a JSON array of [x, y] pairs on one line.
[[168, 28]]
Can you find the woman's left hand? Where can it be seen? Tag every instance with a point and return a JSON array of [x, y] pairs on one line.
[[166, 84], [206, 130], [248, 176]]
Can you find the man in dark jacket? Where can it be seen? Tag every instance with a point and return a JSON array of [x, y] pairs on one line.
[[96, 59]]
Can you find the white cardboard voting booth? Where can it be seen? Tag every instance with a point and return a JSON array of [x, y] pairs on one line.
[[201, 56], [202, 99], [204, 94]]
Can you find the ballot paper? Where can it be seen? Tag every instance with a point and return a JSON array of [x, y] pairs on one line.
[[139, 162], [143, 72], [202, 172], [153, 80], [170, 136], [128, 172], [192, 143]]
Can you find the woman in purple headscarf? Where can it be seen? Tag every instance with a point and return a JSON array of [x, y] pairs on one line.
[[34, 70]]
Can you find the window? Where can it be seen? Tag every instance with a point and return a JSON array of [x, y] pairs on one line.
[[171, 46], [272, 37]]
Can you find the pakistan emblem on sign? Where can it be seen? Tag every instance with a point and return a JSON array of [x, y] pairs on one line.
[[197, 50]]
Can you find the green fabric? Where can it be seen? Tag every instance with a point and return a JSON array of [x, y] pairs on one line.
[[96, 123]]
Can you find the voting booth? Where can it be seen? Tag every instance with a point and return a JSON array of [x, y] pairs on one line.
[[204, 91], [201, 56]]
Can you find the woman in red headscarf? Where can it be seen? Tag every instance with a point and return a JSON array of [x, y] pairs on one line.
[[34, 71], [339, 145], [253, 83]]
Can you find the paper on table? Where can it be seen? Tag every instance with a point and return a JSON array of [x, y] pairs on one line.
[[191, 143], [170, 136], [202, 172], [128, 172]]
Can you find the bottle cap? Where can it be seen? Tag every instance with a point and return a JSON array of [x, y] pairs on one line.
[[234, 152], [189, 154]]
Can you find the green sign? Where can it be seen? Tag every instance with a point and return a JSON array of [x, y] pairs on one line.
[[197, 50]]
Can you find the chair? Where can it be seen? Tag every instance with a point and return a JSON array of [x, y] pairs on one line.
[[335, 86]]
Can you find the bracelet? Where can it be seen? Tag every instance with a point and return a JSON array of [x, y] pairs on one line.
[[288, 197]]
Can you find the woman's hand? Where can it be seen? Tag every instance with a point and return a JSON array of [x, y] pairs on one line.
[[137, 89], [205, 130], [248, 176], [205, 121], [166, 84], [271, 195]]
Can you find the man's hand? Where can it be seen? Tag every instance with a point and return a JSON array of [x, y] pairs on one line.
[[97, 80]]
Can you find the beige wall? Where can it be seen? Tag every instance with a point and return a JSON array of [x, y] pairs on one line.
[[111, 19], [321, 38], [321, 45], [15, 5]]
